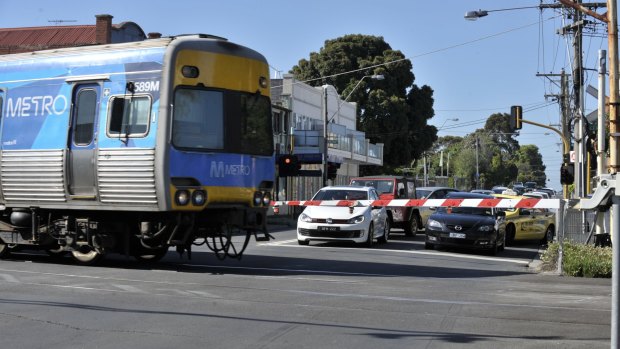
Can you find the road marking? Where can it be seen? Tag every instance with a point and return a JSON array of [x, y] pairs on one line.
[[435, 301], [9, 278], [278, 243], [129, 288], [285, 243]]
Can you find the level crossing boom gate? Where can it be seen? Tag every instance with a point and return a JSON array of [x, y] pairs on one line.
[[482, 203]]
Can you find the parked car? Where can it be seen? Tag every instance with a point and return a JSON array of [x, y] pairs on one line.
[[395, 187], [359, 223], [536, 195], [431, 193], [519, 189], [482, 191], [469, 227], [549, 191], [498, 189], [528, 223]]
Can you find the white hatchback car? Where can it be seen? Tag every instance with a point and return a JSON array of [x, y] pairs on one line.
[[357, 222]]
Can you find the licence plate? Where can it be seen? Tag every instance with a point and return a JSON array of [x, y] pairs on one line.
[[457, 235], [324, 228]]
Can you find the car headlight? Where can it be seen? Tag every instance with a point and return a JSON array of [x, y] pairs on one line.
[[182, 197], [305, 218], [485, 228], [434, 224], [356, 220]]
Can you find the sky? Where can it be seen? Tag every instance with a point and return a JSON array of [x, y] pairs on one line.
[[475, 68]]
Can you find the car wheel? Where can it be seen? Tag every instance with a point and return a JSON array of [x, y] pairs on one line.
[[429, 246], [386, 232], [371, 233], [411, 228], [549, 234], [510, 234], [303, 242]]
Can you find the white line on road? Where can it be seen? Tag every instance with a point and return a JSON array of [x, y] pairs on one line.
[[285, 243]]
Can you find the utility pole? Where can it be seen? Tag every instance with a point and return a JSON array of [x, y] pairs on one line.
[[477, 169], [325, 135], [579, 148], [614, 129]]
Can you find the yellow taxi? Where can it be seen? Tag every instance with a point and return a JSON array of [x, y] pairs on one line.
[[528, 223]]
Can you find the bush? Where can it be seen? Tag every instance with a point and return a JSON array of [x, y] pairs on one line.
[[579, 260]]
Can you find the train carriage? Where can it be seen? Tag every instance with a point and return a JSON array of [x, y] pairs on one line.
[[134, 147]]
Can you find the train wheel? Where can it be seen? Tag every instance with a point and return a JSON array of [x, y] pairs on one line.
[[151, 256], [87, 258], [4, 249], [56, 252]]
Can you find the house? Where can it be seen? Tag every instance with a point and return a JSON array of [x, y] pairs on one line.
[[301, 113], [28, 39]]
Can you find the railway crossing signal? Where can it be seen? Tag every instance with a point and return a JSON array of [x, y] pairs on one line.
[[288, 166]]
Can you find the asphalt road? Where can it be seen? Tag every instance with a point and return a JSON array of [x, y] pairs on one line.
[[281, 295]]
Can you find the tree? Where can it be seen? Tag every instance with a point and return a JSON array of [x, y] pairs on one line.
[[530, 165], [498, 125], [393, 111]]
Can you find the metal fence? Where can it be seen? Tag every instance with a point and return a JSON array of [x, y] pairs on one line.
[[579, 225]]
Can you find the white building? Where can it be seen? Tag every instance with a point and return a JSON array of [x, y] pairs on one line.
[[300, 113]]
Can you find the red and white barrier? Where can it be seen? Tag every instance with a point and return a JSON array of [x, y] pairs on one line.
[[497, 203]]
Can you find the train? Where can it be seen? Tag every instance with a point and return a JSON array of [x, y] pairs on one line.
[[135, 148]]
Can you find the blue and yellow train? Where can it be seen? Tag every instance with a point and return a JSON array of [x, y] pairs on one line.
[[134, 147]]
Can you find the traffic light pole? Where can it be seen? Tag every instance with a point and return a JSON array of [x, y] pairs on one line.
[[566, 146]]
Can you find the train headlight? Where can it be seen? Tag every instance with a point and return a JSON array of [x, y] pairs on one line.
[[258, 198], [263, 82], [199, 197], [267, 199], [182, 197]]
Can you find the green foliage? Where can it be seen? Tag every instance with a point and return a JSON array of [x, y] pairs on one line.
[[579, 260], [393, 111], [501, 160], [530, 164]]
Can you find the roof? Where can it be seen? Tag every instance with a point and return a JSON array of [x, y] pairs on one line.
[[58, 36], [27, 39], [385, 177], [346, 187], [467, 195]]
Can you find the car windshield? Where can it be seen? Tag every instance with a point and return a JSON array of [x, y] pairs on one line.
[[382, 186], [341, 194], [420, 193], [467, 210]]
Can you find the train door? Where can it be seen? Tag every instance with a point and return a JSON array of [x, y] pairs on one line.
[[81, 149]]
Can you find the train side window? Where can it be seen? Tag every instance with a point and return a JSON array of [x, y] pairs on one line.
[[129, 116], [85, 117]]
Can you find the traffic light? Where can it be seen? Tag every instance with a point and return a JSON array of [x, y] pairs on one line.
[[332, 170], [567, 173], [516, 115], [288, 166]]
